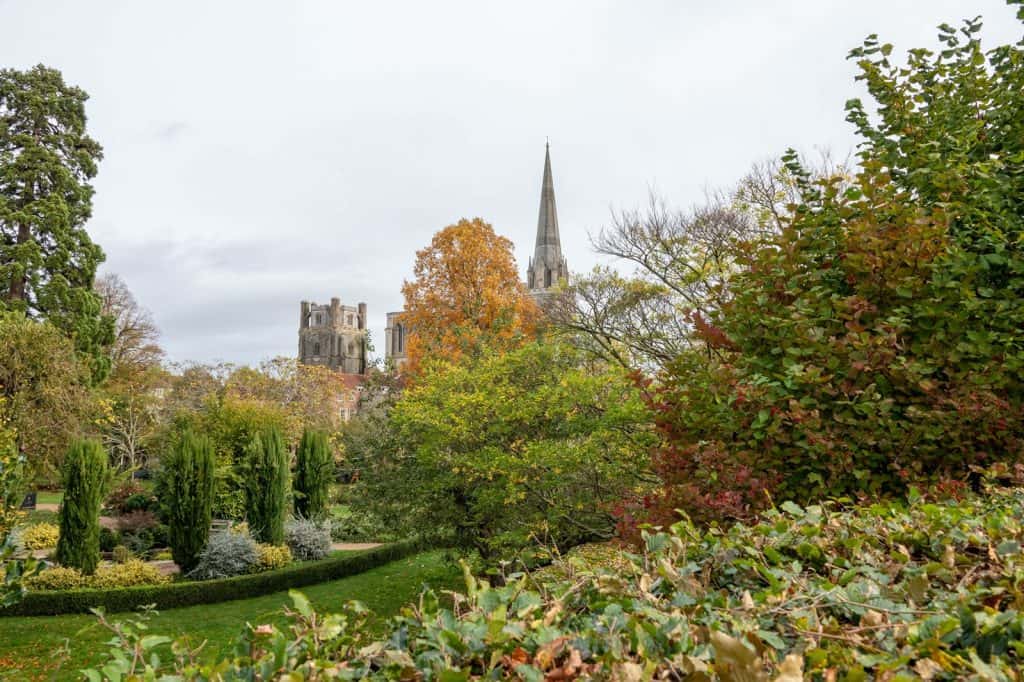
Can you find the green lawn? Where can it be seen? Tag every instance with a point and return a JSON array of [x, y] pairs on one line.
[[26, 644], [49, 497]]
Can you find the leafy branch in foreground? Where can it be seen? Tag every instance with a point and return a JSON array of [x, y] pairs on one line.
[[923, 589]]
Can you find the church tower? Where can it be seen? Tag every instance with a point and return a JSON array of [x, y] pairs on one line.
[[548, 265]]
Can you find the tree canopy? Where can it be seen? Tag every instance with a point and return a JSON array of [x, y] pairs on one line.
[[466, 292], [47, 259]]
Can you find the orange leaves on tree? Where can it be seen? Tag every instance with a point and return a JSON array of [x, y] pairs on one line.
[[466, 294]]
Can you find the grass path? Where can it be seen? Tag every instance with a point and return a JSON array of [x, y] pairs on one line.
[[27, 644]]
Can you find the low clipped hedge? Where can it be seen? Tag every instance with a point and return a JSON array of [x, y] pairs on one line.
[[191, 593]]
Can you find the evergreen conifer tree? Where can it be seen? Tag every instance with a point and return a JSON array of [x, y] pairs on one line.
[[266, 486], [86, 476], [47, 260], [314, 471], [188, 484]]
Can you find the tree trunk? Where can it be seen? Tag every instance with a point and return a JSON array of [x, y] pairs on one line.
[[17, 289]]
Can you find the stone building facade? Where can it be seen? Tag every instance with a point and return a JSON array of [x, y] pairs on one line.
[[333, 335], [396, 336]]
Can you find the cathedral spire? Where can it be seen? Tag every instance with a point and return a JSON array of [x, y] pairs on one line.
[[548, 265]]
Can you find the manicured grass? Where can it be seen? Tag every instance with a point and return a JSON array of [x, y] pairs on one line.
[[26, 644], [49, 497]]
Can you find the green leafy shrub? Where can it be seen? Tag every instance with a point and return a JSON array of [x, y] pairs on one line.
[[130, 497], [56, 578], [270, 557], [504, 448], [314, 473], [875, 342], [225, 555], [308, 540], [266, 486], [810, 593], [121, 554], [188, 483], [133, 522], [139, 542], [86, 476], [39, 536], [131, 573], [361, 526], [109, 539]]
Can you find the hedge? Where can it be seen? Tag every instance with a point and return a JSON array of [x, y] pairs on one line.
[[192, 593]]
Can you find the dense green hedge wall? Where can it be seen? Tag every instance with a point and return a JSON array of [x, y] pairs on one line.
[[190, 593]]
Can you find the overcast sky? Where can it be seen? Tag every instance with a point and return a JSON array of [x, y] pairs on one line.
[[261, 153]]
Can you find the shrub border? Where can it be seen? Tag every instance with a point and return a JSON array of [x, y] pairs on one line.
[[192, 593]]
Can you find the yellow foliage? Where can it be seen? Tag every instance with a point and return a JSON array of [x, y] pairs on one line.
[[270, 557], [130, 573], [466, 292], [40, 536], [56, 578]]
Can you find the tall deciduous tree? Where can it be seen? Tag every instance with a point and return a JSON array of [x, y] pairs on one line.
[[128, 399], [47, 260], [136, 344], [466, 292], [45, 386]]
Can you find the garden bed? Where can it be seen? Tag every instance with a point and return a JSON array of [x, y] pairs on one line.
[[189, 593]]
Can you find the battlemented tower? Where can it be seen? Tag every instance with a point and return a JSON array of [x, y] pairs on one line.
[[548, 266], [333, 335]]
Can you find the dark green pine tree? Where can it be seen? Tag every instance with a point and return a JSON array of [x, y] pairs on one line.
[[47, 260], [86, 477], [188, 482], [266, 486], [314, 472]]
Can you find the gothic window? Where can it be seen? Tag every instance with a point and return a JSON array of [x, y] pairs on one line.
[[316, 349], [398, 340], [318, 319], [351, 348], [547, 277], [350, 320]]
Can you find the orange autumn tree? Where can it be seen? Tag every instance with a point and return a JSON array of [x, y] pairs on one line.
[[466, 293]]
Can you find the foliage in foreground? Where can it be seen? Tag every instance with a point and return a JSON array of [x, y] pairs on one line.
[[929, 590]]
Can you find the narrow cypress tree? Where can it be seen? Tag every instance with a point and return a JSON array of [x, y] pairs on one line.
[[314, 471], [266, 486], [86, 476], [188, 482]]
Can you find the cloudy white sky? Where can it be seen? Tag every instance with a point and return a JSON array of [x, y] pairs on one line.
[[261, 153]]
